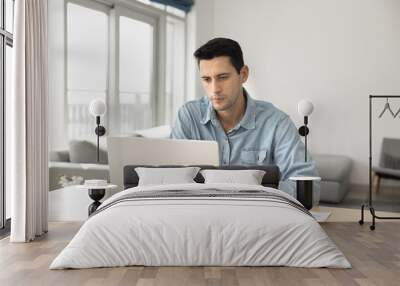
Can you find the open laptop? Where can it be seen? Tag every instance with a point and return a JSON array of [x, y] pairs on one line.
[[124, 151]]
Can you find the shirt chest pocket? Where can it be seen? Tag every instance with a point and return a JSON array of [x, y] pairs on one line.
[[253, 157]]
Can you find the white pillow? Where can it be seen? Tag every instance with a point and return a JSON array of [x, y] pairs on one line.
[[162, 176], [249, 177]]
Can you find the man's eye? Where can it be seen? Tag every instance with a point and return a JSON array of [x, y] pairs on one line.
[[206, 79], [223, 77]]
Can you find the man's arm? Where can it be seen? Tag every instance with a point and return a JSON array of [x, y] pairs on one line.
[[289, 156]]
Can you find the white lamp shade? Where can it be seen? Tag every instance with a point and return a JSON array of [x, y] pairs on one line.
[[97, 107], [305, 107]]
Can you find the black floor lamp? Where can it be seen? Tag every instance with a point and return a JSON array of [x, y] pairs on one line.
[[97, 108], [305, 108], [304, 184]]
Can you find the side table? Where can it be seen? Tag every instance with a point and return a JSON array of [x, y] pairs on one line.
[[304, 190], [96, 193]]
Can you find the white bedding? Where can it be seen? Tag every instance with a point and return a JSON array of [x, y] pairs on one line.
[[200, 231]]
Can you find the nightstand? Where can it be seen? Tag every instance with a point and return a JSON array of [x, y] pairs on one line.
[[96, 193], [304, 190]]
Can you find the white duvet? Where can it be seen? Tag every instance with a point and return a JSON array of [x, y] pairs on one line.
[[200, 231]]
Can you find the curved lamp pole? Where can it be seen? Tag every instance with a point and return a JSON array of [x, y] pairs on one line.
[[97, 108], [305, 108]]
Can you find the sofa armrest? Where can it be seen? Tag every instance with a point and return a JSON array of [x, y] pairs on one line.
[[59, 156]]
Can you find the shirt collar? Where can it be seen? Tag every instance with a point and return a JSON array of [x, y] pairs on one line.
[[248, 121], [209, 112]]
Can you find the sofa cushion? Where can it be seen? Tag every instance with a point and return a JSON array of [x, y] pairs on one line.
[[82, 151]]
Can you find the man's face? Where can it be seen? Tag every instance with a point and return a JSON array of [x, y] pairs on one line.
[[221, 82]]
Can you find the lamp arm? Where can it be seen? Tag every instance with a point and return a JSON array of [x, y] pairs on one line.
[[303, 131], [100, 131], [305, 138], [98, 139], [305, 148]]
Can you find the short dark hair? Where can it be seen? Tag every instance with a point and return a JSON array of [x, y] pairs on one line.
[[221, 47]]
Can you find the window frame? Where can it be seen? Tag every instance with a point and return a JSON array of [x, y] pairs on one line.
[[94, 5], [151, 19], [174, 19]]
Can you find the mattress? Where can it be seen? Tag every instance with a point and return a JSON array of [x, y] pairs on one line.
[[201, 225]]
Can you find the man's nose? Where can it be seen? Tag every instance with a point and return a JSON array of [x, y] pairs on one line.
[[215, 87]]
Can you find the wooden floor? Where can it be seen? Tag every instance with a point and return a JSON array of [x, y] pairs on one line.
[[375, 257]]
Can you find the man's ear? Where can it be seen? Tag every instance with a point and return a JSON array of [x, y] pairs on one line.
[[244, 73]]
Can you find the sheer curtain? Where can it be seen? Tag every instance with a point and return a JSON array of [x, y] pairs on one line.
[[27, 121]]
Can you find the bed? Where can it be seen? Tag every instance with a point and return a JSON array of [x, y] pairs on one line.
[[201, 224]]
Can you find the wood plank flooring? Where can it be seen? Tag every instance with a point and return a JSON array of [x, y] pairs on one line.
[[375, 257]]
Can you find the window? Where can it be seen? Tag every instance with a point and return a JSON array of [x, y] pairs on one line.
[[9, 15], [175, 50], [6, 43], [175, 68], [132, 55], [135, 74], [87, 64]]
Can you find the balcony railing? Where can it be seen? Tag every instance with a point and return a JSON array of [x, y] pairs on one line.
[[134, 113]]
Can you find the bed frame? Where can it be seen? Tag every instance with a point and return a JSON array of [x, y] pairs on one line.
[[270, 179]]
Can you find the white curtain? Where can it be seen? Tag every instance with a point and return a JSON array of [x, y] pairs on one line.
[[28, 122]]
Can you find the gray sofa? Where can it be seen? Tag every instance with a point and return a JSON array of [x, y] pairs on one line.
[[79, 162], [61, 168], [334, 171]]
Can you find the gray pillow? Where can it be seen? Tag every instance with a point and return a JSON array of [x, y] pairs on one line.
[[248, 177], [59, 156], [82, 151], [163, 176]]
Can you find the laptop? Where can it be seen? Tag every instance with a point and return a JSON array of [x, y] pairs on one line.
[[124, 151]]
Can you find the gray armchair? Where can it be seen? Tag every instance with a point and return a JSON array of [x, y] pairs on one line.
[[389, 162]]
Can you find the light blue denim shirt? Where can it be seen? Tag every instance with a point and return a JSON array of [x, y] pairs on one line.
[[265, 135]]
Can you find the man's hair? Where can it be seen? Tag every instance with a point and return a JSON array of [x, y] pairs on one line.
[[219, 47]]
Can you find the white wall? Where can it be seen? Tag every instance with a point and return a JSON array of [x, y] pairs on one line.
[[334, 52]]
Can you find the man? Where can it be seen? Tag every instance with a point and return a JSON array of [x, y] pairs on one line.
[[248, 131]]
